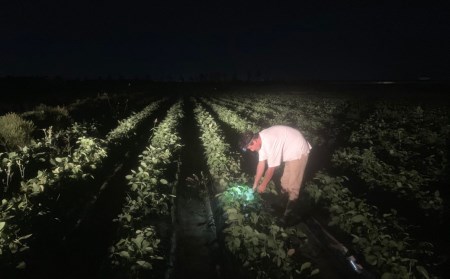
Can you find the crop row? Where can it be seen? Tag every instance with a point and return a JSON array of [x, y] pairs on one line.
[[148, 198], [249, 233]]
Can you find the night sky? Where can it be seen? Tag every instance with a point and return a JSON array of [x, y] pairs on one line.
[[324, 40]]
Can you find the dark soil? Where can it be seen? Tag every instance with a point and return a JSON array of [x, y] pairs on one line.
[[196, 246]]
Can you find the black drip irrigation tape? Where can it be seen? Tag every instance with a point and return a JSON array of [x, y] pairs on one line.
[[344, 262]]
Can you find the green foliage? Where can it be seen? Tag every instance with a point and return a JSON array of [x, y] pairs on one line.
[[10, 163], [78, 165], [136, 252], [223, 166], [401, 149], [382, 239], [126, 127], [253, 236], [89, 154], [12, 240], [15, 132], [148, 196]]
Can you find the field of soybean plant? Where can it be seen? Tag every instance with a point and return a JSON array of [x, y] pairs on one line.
[[152, 184]]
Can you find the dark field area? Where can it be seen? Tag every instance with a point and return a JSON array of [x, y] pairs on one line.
[[21, 94]]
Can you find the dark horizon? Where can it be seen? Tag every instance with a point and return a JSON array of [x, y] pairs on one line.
[[266, 41], [206, 78]]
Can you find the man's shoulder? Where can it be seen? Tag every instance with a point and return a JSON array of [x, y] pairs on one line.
[[274, 128], [278, 129]]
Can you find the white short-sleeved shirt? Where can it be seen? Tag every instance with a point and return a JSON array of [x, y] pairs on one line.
[[282, 144]]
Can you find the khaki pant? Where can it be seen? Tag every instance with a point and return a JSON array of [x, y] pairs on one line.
[[292, 177]]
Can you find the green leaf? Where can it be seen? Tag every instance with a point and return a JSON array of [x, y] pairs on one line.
[[138, 240], [232, 217], [305, 266], [21, 265], [359, 218], [371, 259], [2, 225], [163, 181], [25, 236], [388, 275], [124, 254], [144, 264], [255, 241], [423, 271]]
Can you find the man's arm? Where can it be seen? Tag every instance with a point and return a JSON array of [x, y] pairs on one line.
[[259, 172], [267, 177]]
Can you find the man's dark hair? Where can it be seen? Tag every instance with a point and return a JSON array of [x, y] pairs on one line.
[[246, 138]]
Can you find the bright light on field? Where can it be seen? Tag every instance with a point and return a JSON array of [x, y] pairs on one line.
[[244, 191]]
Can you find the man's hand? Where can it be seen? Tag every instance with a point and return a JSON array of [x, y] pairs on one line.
[[261, 189]]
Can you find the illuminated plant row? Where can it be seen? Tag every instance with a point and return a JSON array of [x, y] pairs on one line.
[[254, 108], [149, 195], [251, 234], [223, 168], [382, 239], [236, 121], [401, 150], [256, 104], [17, 212], [127, 126]]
